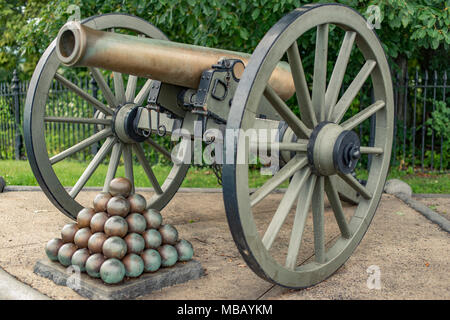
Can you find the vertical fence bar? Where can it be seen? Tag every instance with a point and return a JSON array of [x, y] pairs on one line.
[[51, 107], [413, 129], [405, 117], [8, 122], [424, 115], [70, 131], [432, 119], [94, 86], [444, 84], [86, 84], [2, 141], [2, 124], [57, 127], [15, 87], [6, 115], [77, 126]]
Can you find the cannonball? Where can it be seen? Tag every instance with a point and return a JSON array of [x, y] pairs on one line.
[[137, 203], [152, 260], [84, 217], [68, 232], [65, 253], [134, 265], [118, 206], [120, 186], [114, 247], [101, 200], [116, 226], [95, 243], [169, 255], [98, 222], [82, 236], [169, 234], [112, 271], [93, 264], [52, 248], [152, 239], [153, 217], [79, 258], [135, 243], [185, 250], [136, 223]]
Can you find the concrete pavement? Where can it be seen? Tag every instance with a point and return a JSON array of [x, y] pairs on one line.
[[12, 289]]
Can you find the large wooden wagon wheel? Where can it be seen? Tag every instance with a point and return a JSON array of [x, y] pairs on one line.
[[108, 118], [328, 148]]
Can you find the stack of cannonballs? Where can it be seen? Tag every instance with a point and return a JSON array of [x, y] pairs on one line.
[[118, 238]]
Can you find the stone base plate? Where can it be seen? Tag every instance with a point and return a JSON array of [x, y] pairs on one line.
[[130, 288]]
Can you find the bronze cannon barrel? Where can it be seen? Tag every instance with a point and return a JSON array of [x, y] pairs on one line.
[[166, 61]]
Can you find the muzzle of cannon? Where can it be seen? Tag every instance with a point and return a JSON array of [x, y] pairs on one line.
[[165, 61], [319, 151]]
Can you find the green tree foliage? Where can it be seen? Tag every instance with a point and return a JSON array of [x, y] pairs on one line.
[[415, 30]]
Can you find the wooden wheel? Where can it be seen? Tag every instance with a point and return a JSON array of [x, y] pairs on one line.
[[108, 118], [328, 150]]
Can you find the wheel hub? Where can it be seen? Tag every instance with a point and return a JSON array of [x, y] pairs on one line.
[[125, 122], [331, 149]]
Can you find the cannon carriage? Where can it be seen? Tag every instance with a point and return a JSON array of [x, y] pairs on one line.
[[197, 92]]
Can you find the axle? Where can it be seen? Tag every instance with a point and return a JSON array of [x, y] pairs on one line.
[[166, 61]]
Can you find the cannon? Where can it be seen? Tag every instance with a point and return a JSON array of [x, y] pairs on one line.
[[193, 93]]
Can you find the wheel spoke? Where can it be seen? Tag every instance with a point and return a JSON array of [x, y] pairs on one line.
[[81, 93], [339, 110], [282, 146], [362, 115], [98, 158], [335, 84], [143, 93], [285, 172], [113, 164], [118, 87], [301, 86], [128, 163], [336, 205], [286, 203], [131, 88], [291, 146], [299, 128], [78, 120], [301, 213], [371, 150], [318, 220], [320, 71], [147, 168], [81, 145], [152, 143], [358, 187], [106, 91]]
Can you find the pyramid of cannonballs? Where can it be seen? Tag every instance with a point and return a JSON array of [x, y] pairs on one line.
[[118, 238]]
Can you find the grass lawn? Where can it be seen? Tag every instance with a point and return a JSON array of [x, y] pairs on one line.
[[19, 173]]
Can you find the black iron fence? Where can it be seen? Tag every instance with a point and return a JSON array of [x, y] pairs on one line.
[[422, 126], [422, 113]]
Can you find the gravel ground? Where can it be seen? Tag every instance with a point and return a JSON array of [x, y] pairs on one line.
[[411, 253]]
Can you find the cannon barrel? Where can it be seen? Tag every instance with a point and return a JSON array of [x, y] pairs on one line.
[[170, 62]]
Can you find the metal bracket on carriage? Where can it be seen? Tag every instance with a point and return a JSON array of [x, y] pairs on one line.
[[215, 91], [164, 109]]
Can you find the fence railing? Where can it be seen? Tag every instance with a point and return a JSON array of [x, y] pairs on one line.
[[421, 131]]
